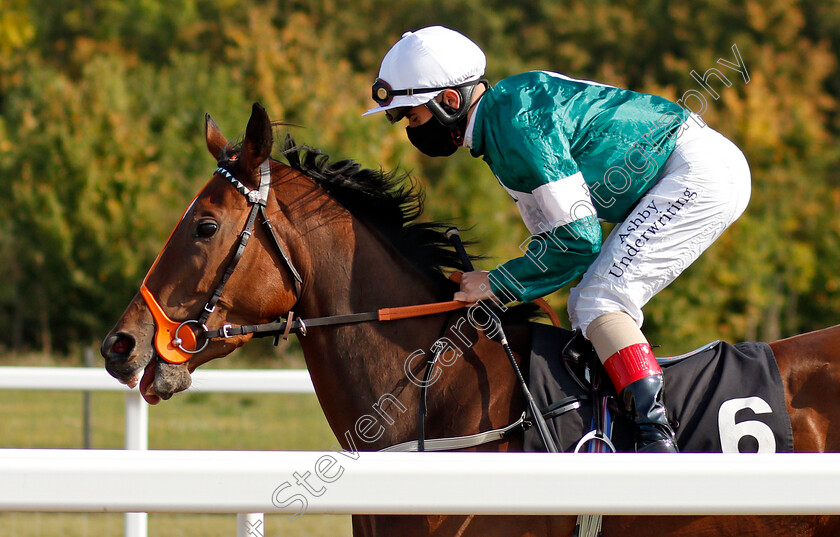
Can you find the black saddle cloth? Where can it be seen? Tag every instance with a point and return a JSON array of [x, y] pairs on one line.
[[720, 398]]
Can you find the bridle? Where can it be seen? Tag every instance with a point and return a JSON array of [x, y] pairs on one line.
[[174, 343]]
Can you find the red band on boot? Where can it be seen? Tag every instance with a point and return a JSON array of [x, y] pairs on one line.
[[631, 364]]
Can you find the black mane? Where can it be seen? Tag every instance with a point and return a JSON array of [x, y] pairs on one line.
[[391, 202]]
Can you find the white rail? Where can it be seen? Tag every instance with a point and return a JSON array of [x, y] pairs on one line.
[[137, 412], [412, 483], [214, 380], [250, 483]]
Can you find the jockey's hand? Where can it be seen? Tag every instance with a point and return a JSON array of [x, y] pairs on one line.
[[475, 286]]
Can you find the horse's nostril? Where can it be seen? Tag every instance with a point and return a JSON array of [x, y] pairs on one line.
[[118, 346], [122, 345]]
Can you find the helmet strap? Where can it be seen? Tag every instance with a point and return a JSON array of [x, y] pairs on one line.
[[456, 119]]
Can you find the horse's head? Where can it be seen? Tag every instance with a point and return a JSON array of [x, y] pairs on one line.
[[205, 278]]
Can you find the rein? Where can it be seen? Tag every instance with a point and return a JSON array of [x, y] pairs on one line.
[[381, 315], [301, 325]]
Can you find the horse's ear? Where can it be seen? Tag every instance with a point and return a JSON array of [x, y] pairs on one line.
[[215, 141], [258, 137]]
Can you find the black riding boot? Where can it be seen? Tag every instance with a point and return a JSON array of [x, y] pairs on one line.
[[642, 400]]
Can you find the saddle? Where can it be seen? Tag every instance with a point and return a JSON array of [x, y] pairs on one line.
[[720, 397]]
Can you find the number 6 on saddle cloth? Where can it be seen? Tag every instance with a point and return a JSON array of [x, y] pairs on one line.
[[722, 398]]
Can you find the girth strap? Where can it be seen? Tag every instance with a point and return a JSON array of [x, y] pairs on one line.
[[462, 442], [559, 408]]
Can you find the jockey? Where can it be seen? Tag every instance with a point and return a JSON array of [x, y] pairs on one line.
[[570, 153]]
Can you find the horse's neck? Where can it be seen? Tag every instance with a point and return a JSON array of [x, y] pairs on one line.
[[358, 368]]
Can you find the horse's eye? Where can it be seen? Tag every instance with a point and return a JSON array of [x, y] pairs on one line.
[[206, 229]]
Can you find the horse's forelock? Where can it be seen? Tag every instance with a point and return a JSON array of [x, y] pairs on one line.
[[229, 156]]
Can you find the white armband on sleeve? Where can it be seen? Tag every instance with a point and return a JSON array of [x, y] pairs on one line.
[[564, 201], [554, 204]]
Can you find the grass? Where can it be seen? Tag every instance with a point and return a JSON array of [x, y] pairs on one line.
[[53, 419]]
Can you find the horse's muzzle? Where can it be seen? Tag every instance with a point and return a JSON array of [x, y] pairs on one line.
[[121, 361]]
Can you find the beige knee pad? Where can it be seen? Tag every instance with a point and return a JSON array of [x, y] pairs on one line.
[[612, 332]]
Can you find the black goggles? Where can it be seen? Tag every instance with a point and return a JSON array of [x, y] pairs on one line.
[[396, 114], [383, 93]]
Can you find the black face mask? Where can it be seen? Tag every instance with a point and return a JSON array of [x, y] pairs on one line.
[[432, 138]]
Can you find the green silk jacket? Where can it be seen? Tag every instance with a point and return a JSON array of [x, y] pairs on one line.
[[570, 153]]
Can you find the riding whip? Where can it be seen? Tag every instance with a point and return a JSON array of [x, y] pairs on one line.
[[454, 236]]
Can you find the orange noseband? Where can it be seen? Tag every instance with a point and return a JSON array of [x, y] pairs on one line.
[[172, 340]]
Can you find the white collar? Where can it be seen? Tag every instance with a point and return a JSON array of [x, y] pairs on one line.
[[468, 136]]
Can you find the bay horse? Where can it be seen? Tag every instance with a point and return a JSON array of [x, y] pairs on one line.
[[344, 240]]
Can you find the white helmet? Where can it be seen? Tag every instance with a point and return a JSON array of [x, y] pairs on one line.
[[424, 63]]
